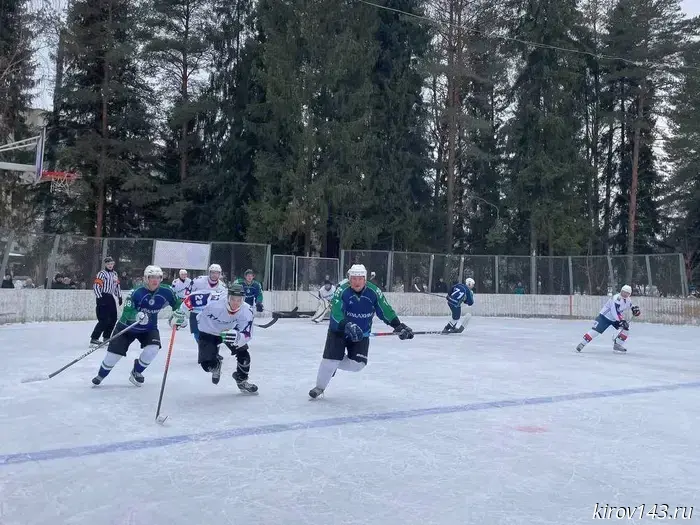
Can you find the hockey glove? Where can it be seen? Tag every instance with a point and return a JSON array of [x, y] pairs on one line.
[[636, 311], [231, 337], [353, 332], [624, 324], [178, 319], [142, 318], [404, 332], [259, 307]]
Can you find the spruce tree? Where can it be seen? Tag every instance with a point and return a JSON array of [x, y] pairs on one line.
[[106, 120]]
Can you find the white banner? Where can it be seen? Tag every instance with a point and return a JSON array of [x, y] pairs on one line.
[[187, 255]]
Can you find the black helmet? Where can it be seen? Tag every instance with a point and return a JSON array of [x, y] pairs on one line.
[[236, 290]]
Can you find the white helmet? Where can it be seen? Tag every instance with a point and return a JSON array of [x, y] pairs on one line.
[[469, 282], [626, 288], [182, 271], [215, 268], [152, 271], [357, 270]]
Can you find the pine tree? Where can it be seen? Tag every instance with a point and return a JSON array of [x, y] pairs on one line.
[[314, 70], [106, 122], [178, 52], [397, 153], [543, 135], [684, 187], [225, 178], [640, 31]]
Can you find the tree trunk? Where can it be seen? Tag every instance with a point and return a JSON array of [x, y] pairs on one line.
[[451, 129], [632, 214], [608, 190], [104, 129]]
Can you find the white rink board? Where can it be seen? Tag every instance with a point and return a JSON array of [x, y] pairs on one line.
[[18, 306], [504, 424]]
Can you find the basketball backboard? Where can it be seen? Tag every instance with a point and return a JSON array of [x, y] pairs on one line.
[[61, 181], [29, 173]]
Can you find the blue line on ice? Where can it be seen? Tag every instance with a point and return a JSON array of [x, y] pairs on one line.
[[141, 444]]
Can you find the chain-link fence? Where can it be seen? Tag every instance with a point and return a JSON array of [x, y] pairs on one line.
[[283, 274], [71, 261], [652, 275]]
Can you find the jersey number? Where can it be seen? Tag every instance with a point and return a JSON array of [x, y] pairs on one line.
[[457, 294]]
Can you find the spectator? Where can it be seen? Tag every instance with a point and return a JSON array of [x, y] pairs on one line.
[[28, 283], [57, 283], [440, 286], [7, 281], [520, 289]]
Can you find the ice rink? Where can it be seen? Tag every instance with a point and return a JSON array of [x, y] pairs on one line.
[[503, 424]]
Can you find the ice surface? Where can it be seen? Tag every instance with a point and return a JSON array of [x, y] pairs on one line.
[[504, 424]]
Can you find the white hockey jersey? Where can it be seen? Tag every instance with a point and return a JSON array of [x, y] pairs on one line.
[[615, 307], [181, 287], [326, 295], [214, 316]]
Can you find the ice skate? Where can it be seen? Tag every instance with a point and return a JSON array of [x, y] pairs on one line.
[[315, 392], [580, 347], [94, 343], [617, 347], [135, 377], [97, 380], [448, 329], [244, 386], [247, 388], [216, 372]]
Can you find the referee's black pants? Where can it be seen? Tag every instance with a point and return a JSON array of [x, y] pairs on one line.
[[106, 317]]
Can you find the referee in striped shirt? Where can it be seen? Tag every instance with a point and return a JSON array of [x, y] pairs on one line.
[[107, 293]]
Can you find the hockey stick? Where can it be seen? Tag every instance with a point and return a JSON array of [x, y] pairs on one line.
[[269, 324], [161, 419], [102, 344], [430, 332]]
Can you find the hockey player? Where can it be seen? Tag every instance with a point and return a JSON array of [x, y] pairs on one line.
[[207, 284], [325, 294], [460, 293], [612, 314], [149, 298], [253, 290], [352, 309], [224, 318], [182, 284]]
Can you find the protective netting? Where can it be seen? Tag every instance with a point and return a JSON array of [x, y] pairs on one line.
[[283, 275], [412, 270], [313, 271], [374, 260], [514, 274], [481, 268], [237, 257], [131, 256], [446, 272], [553, 276]]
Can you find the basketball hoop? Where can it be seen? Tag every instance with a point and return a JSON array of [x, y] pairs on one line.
[[61, 181]]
